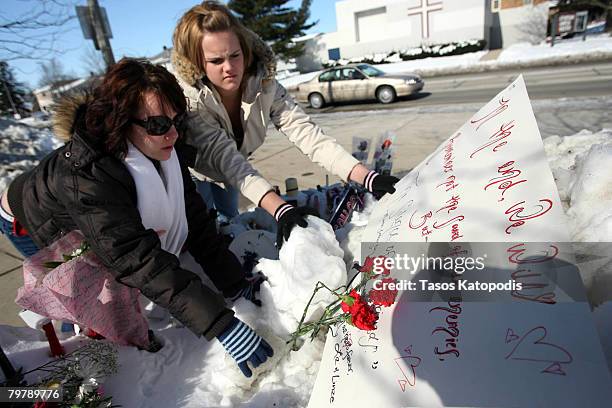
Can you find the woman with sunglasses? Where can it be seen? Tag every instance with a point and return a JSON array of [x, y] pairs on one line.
[[119, 180], [227, 72]]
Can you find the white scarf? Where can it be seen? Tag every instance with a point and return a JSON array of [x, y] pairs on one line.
[[161, 207]]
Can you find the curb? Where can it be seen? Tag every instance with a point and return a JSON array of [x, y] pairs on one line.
[[491, 66]]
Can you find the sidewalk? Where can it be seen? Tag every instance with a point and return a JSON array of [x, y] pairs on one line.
[[492, 55]]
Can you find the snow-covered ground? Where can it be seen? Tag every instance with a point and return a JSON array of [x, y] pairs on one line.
[[22, 145], [190, 372], [524, 52], [516, 55]]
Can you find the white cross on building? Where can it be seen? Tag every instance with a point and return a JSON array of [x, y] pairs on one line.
[[424, 9]]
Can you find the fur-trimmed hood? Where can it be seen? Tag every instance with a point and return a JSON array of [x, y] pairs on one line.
[[69, 114], [263, 58]]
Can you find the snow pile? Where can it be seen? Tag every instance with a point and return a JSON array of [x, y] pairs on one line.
[[524, 52], [582, 165], [191, 372], [22, 146], [312, 254], [421, 52]]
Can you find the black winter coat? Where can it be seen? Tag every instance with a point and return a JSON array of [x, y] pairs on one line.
[[79, 187]]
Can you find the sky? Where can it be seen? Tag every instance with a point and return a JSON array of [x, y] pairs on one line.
[[139, 27]]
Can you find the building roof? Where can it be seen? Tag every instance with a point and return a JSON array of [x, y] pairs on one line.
[[163, 56], [61, 85], [306, 37]]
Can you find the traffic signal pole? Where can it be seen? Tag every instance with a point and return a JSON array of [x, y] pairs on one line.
[[99, 34]]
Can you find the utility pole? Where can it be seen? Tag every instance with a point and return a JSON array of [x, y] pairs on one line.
[[101, 37], [554, 28]]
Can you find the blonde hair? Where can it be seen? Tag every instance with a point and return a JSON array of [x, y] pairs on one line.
[[209, 17]]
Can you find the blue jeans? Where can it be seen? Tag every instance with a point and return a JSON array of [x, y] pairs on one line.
[[23, 244], [224, 200]]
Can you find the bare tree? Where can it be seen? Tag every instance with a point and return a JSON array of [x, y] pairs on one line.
[[534, 24], [52, 71], [35, 34], [93, 61]]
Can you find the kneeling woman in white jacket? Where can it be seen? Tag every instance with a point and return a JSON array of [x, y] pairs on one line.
[[227, 73]]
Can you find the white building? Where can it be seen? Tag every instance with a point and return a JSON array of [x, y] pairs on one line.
[[49, 94], [375, 26]]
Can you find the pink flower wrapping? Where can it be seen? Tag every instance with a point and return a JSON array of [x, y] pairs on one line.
[[82, 291]]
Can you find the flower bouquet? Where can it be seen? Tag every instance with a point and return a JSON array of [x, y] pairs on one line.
[[66, 281], [80, 374], [352, 305]]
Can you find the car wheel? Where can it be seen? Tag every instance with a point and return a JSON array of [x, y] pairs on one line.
[[385, 94], [316, 100]]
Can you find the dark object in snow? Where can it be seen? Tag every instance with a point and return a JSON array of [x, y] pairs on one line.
[[249, 260], [351, 199], [155, 344], [12, 377]]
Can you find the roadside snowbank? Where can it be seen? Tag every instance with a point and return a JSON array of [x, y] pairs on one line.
[[22, 146], [595, 48]]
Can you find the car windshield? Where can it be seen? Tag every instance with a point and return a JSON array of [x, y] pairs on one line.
[[370, 70]]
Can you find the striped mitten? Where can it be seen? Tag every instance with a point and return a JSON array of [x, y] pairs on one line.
[[244, 345]]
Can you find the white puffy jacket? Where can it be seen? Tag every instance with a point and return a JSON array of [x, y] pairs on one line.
[[264, 101]]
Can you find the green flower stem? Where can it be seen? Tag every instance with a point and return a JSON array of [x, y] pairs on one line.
[[329, 314], [320, 285]]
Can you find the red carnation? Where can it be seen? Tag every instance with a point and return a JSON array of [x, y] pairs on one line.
[[368, 266], [363, 316], [383, 297], [349, 301]]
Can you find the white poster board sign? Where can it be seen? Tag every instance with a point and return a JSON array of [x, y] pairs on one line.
[[533, 345]]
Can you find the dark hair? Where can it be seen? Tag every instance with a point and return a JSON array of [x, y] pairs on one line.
[[120, 95]]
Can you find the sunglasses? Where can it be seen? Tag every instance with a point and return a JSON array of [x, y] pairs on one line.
[[159, 125]]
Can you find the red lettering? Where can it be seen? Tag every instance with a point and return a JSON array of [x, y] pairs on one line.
[[503, 105], [497, 137], [516, 217], [519, 249], [504, 181], [423, 217]]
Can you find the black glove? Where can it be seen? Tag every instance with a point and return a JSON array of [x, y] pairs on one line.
[[379, 184], [287, 216]]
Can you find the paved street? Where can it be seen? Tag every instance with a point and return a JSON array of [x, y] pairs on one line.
[[565, 100], [570, 81], [420, 124]]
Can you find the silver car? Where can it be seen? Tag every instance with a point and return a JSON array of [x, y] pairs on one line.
[[356, 82]]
